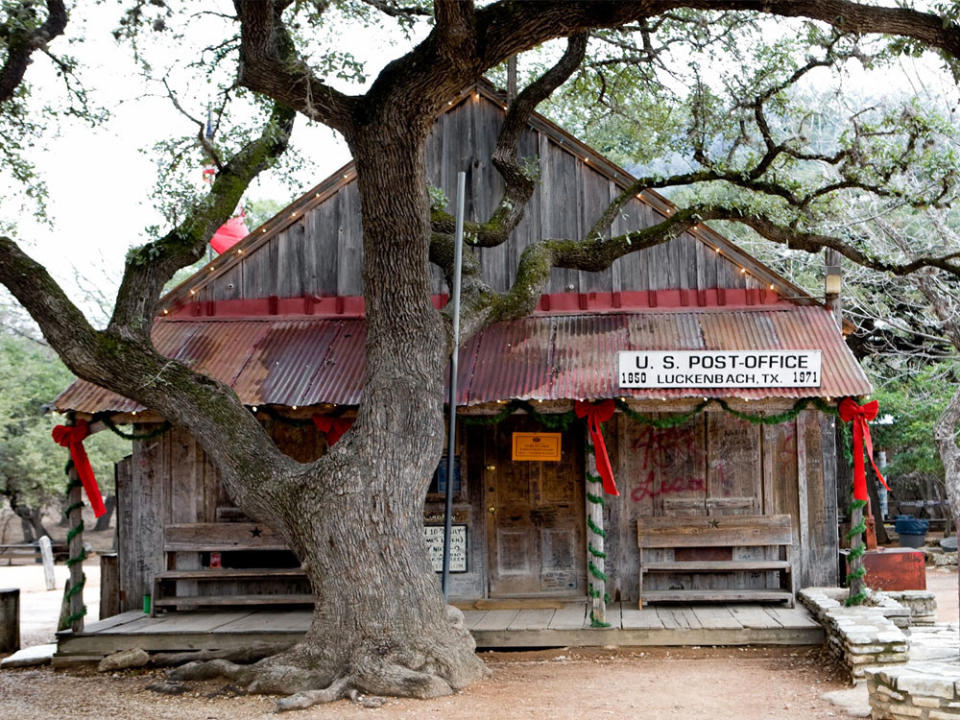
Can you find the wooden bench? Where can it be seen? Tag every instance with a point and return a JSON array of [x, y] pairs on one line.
[[245, 537], [709, 557]]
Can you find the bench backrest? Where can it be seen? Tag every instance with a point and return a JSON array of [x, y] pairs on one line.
[[221, 537], [718, 531]]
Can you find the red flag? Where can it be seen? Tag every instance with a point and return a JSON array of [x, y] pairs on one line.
[[859, 415], [71, 436], [230, 233], [596, 415]]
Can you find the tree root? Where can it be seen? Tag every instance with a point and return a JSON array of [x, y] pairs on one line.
[[310, 672]]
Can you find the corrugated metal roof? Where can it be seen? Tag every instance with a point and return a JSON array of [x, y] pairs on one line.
[[307, 360]]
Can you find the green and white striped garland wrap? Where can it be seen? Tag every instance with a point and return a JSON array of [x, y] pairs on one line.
[[596, 554]]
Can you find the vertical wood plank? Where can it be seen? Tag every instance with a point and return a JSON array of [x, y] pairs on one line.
[[129, 590], [803, 499], [151, 503], [349, 249]]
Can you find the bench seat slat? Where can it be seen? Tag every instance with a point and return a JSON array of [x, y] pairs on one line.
[[708, 566], [718, 531], [219, 600], [230, 573], [745, 595]]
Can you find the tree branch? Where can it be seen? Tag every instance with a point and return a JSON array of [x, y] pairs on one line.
[[519, 182], [393, 9], [506, 27], [814, 242], [148, 268], [269, 64], [455, 34], [21, 42], [481, 306], [132, 367]]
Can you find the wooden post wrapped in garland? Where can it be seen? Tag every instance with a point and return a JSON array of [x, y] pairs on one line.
[[855, 569], [73, 592], [596, 579]]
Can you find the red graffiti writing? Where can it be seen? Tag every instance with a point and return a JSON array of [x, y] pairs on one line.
[[669, 454], [650, 488], [662, 448]]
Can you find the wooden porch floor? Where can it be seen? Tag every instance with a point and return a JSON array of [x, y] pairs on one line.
[[565, 626]]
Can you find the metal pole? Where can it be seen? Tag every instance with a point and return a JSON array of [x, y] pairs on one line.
[[452, 432]]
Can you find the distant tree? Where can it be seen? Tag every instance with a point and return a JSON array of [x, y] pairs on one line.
[[31, 465]]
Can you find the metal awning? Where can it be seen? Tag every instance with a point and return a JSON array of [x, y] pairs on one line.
[[309, 360]]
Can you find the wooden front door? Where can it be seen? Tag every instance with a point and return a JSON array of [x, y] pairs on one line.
[[535, 516]]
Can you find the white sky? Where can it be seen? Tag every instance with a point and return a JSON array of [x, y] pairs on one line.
[[100, 181]]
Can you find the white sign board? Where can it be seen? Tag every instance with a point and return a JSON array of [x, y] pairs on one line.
[[720, 369], [458, 547]]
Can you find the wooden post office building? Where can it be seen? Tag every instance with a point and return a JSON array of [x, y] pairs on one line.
[[692, 341]]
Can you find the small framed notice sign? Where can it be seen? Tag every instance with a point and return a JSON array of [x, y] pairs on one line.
[[433, 534], [720, 369], [536, 446]]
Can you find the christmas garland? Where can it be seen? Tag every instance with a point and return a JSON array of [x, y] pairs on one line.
[[156, 432], [856, 553], [596, 482], [562, 421], [72, 590]]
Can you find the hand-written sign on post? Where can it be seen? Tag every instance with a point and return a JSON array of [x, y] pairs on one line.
[[720, 369], [543, 447], [433, 534]]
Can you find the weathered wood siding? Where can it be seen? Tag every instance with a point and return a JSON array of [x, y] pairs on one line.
[[321, 251], [715, 465], [169, 480]]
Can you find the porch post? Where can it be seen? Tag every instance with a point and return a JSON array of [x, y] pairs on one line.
[[73, 594], [596, 579]]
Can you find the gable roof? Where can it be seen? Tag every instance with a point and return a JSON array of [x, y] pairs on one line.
[[225, 273], [305, 349]]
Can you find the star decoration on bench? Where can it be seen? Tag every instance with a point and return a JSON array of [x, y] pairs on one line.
[[256, 532], [714, 523]]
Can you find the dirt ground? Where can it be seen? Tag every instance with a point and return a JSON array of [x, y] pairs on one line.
[[687, 683], [691, 683]]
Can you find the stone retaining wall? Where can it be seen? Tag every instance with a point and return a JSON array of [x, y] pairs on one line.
[[923, 692], [861, 637]]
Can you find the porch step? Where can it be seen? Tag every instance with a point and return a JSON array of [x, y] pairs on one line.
[[231, 573], [724, 596], [709, 566], [227, 600]]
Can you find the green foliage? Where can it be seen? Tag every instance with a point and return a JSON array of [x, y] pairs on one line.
[[914, 403], [31, 464]]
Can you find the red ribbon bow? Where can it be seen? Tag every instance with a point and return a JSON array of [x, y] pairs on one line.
[[859, 415], [596, 415], [71, 436], [332, 427]]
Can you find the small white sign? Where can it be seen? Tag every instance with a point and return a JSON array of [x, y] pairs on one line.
[[458, 547], [720, 369]]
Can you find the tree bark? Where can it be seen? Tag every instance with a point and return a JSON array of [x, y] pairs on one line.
[[380, 625]]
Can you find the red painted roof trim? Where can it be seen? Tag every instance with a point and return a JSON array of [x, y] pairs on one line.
[[553, 304]]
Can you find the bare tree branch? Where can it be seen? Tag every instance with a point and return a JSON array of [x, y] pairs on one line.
[[269, 64], [394, 9]]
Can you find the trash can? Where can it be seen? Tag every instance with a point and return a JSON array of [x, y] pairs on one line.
[[911, 531]]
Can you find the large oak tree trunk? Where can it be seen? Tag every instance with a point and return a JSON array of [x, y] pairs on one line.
[[380, 625]]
